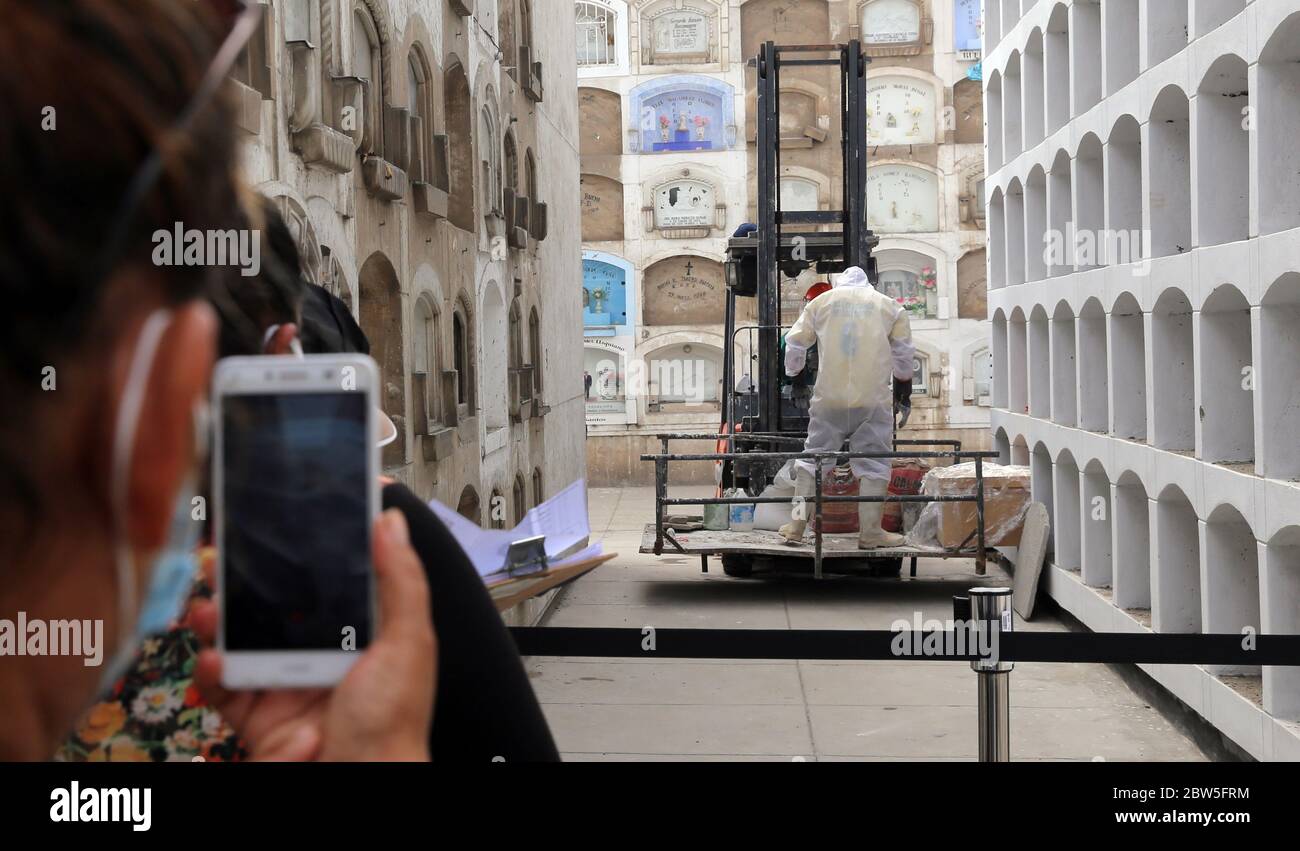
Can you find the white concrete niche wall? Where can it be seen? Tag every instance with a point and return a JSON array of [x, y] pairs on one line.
[[1132, 547], [1033, 76], [1060, 217], [1017, 363], [1090, 203], [1085, 55], [1015, 241], [1036, 225], [999, 347], [1065, 489], [993, 121], [1056, 55], [1124, 196], [1176, 568], [1128, 372], [1210, 14], [1040, 355], [1278, 127], [1041, 487], [1227, 399], [1122, 52], [1010, 15], [1013, 142], [1170, 177], [1065, 384], [1166, 26], [1277, 380], [1094, 392], [1222, 153], [1173, 396], [1279, 563], [993, 31], [1096, 518], [1229, 579], [1002, 444], [997, 237]]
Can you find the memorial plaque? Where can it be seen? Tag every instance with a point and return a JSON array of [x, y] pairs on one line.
[[684, 291], [972, 286], [886, 22], [684, 114], [900, 111], [902, 199], [600, 119], [684, 204], [602, 209]]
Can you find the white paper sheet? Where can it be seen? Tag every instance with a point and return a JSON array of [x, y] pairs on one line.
[[562, 519]]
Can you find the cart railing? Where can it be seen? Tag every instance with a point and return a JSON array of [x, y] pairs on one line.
[[662, 460]]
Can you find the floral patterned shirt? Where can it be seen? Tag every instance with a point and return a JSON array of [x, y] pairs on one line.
[[154, 712]]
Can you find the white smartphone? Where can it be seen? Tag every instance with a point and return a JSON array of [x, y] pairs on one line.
[[295, 491]]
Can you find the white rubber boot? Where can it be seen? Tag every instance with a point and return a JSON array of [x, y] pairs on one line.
[[805, 486], [871, 535]]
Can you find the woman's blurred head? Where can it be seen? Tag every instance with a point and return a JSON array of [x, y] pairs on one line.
[[91, 88]]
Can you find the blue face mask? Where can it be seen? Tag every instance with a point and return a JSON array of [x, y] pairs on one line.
[[174, 567]]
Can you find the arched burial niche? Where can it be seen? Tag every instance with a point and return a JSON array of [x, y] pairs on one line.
[[1041, 485], [1096, 518], [1017, 363], [1227, 400], [1214, 13], [1280, 576], [994, 112], [1020, 452], [1132, 557], [1065, 383], [1012, 140], [1176, 586], [1086, 67], [1037, 238], [1172, 365], [1123, 242], [1015, 233], [684, 377], [1166, 29], [469, 506], [1278, 378], [1120, 30], [1278, 127], [1094, 410], [1223, 153], [1171, 173], [1056, 55], [1000, 353], [1065, 478], [1128, 368], [381, 320], [1003, 445], [1060, 198], [600, 122], [602, 208], [1040, 359], [1231, 597], [459, 111], [684, 290], [1032, 104], [997, 241], [1090, 204]]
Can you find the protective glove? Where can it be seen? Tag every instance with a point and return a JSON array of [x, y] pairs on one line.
[[903, 392]]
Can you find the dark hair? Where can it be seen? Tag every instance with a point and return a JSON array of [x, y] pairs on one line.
[[90, 87]]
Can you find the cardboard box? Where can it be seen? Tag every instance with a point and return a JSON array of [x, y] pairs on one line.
[[1006, 497]]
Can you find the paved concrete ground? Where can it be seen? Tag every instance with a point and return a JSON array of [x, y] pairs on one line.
[[639, 709]]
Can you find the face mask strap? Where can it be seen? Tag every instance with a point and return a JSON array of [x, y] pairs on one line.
[[124, 433]]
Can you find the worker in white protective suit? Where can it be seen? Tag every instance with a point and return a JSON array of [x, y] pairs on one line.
[[863, 340]]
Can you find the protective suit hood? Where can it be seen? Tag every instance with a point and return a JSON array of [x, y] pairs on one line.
[[852, 277]]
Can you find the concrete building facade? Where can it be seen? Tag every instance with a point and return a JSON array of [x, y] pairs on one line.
[[1144, 229], [425, 155], [668, 156]]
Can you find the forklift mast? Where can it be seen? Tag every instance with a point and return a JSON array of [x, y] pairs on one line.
[[788, 243]]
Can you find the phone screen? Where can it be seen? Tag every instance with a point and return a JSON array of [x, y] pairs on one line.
[[295, 522]]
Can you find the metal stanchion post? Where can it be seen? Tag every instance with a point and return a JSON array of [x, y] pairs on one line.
[[991, 616]]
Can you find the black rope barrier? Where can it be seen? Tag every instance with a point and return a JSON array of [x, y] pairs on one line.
[[930, 646]]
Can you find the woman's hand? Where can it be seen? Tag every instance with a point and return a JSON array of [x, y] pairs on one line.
[[383, 708]]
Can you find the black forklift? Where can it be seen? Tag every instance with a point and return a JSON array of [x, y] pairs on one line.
[[765, 414]]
